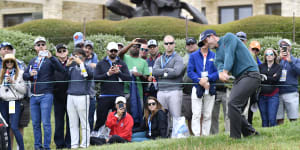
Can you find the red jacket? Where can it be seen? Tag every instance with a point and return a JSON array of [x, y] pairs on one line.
[[122, 128]]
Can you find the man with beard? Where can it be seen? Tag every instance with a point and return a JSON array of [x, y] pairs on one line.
[[233, 56], [137, 66], [111, 68]]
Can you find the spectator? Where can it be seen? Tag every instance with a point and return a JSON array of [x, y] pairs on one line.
[[40, 72], [139, 70], [254, 49], [12, 90], [78, 40], [120, 46], [222, 96], [186, 109], [78, 98], [233, 56], [7, 48], [288, 95], [169, 68], [120, 123], [242, 36], [91, 60], [60, 101], [144, 51], [111, 68], [202, 71], [269, 97], [155, 123], [151, 89]]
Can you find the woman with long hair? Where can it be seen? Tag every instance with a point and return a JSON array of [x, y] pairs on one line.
[[155, 122], [12, 90], [269, 95]]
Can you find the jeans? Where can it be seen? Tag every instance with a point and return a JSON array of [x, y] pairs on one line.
[[139, 137], [268, 106], [13, 121], [40, 107], [92, 111], [61, 119]]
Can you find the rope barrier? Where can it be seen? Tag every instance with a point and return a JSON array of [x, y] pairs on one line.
[[143, 82]]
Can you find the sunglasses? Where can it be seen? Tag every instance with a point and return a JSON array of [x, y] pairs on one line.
[[40, 45], [9, 61], [113, 51], [255, 49], [269, 54], [191, 43], [153, 104], [169, 43], [152, 47], [144, 49], [61, 51]]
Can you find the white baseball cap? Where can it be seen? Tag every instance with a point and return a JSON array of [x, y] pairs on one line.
[[152, 42], [38, 39], [286, 41], [120, 99], [111, 46]]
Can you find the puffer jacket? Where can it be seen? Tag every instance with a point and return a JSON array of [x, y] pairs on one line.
[[14, 91]]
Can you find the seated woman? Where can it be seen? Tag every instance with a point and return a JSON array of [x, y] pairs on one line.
[[155, 122], [269, 98]]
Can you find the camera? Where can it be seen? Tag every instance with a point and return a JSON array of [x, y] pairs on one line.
[[284, 48], [43, 53], [121, 105], [142, 41]]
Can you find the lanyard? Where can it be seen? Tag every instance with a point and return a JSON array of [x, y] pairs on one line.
[[167, 59], [40, 62], [149, 124]]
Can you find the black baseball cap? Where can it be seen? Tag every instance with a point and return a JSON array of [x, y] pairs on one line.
[[204, 35], [190, 40]]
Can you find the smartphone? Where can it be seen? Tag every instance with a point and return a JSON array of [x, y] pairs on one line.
[[121, 106], [43, 53], [142, 41]]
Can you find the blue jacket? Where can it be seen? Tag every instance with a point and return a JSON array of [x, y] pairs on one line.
[[43, 84], [293, 71], [81, 85], [136, 110], [195, 67]]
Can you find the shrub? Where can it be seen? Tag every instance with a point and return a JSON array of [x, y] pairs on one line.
[[156, 27]]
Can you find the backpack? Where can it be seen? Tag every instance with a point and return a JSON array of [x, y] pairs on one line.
[[3, 134]]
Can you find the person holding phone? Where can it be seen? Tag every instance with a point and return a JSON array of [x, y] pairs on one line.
[[40, 72], [120, 123], [288, 95]]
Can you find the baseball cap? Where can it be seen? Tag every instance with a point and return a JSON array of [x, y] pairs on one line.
[[152, 42], [4, 44], [120, 99], [111, 46], [59, 46], [190, 40], [120, 44], [88, 42], [241, 35], [254, 44], [39, 39], [286, 41], [78, 38], [204, 35]]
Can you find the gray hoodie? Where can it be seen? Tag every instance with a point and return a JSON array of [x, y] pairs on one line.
[[171, 72]]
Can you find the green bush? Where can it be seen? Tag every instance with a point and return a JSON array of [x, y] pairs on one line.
[[156, 27]]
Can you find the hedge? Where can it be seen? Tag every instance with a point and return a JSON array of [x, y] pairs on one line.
[[156, 27]]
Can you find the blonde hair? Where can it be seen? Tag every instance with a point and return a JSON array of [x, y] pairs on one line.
[[4, 69]]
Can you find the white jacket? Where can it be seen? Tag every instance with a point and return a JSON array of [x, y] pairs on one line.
[[15, 91]]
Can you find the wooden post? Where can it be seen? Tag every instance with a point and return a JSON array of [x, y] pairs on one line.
[[294, 28], [186, 27], [84, 28]]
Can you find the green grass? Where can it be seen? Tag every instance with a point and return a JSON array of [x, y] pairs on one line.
[[285, 136]]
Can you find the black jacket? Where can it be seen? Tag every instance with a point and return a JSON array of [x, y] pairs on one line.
[[111, 88], [159, 126], [271, 80], [61, 86]]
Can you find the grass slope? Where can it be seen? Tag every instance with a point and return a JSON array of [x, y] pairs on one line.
[[285, 137]]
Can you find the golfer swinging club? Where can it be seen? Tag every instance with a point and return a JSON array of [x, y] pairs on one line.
[[233, 56]]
